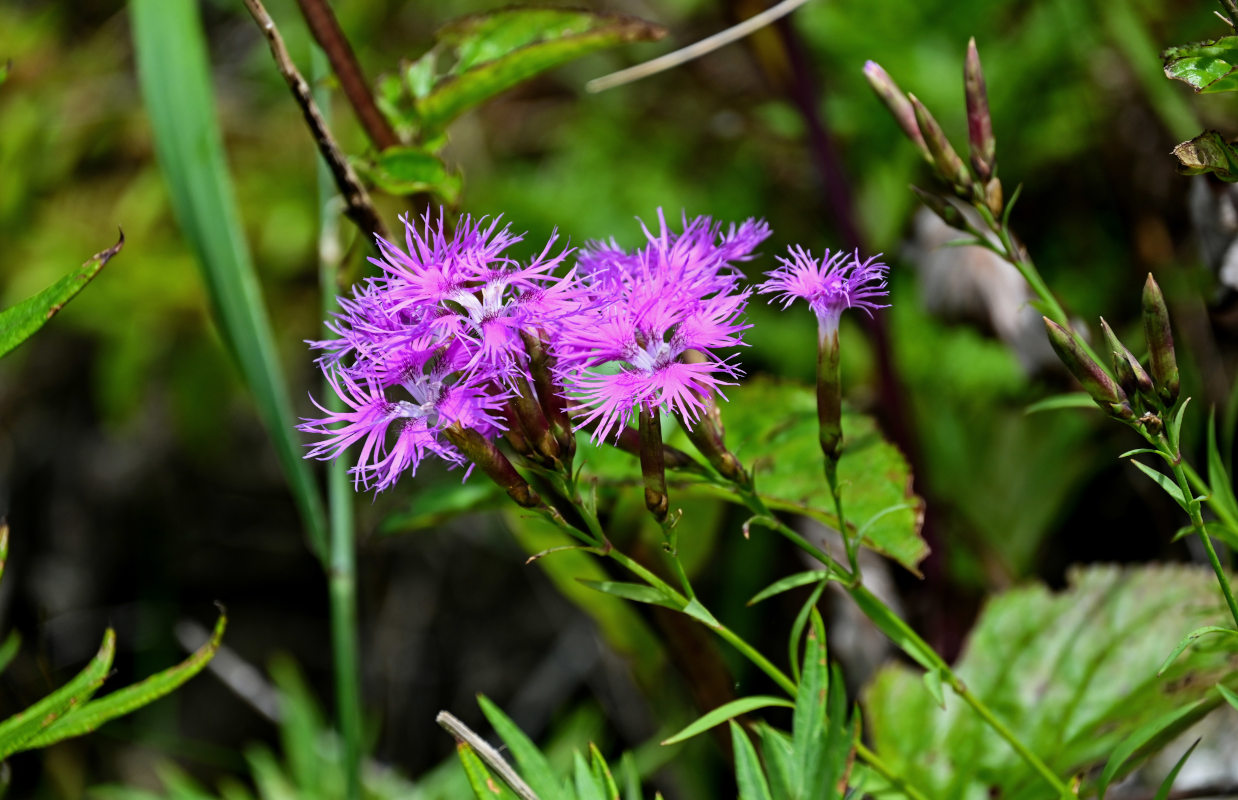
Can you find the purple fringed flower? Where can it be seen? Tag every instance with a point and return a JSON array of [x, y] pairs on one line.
[[835, 283], [658, 315], [432, 342]]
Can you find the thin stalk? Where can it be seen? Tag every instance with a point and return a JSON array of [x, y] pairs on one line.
[[1197, 522], [997, 725], [341, 567]]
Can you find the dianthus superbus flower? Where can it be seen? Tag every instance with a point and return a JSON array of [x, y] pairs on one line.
[[676, 297], [831, 285], [432, 348]]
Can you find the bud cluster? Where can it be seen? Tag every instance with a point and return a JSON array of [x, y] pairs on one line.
[[1132, 394], [976, 181]]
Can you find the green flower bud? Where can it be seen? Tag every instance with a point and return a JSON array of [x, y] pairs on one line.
[[1160, 342], [900, 108], [943, 208], [950, 167], [1130, 373], [1095, 381]]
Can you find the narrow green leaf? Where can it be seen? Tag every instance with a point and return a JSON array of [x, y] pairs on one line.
[[534, 767], [483, 784], [808, 726], [496, 51], [790, 582], [1190, 639], [748, 774], [1208, 152], [725, 712], [899, 631], [174, 77], [1136, 740], [4, 71], [601, 771], [587, 785], [1139, 451], [631, 777], [932, 682], [1164, 481], [19, 323], [1174, 428], [637, 592], [840, 738], [19, 728], [9, 649], [1061, 401], [90, 716], [1230, 696], [1162, 793], [1221, 489], [797, 629], [776, 747], [695, 609], [1207, 67]]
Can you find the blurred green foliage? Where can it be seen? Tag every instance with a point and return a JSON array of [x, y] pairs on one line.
[[1083, 115]]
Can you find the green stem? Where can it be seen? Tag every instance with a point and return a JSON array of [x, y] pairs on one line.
[[1000, 727], [341, 566], [1197, 522]]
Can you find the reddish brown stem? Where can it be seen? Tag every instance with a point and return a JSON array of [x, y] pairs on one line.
[[327, 32]]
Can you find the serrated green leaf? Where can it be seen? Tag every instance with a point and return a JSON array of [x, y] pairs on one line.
[[726, 712], [18, 323], [748, 774], [1164, 481], [637, 592], [21, 727], [409, 170], [174, 77], [1208, 152], [1138, 739], [1061, 401], [534, 767], [483, 784], [86, 718], [1073, 672], [790, 582], [1190, 639], [784, 455], [1162, 792], [1208, 67], [493, 52]]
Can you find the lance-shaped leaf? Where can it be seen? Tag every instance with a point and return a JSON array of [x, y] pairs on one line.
[[19, 323], [1207, 66], [90, 716], [409, 170], [1074, 672], [23, 726], [485, 54], [1208, 152]]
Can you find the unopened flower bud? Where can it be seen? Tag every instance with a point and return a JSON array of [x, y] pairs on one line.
[[541, 367], [942, 207], [1130, 373], [983, 146], [829, 399], [898, 104], [949, 166], [483, 452], [993, 197], [1160, 342], [1095, 381]]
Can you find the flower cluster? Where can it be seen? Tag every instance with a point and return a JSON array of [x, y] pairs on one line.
[[455, 342], [430, 344], [658, 316]]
